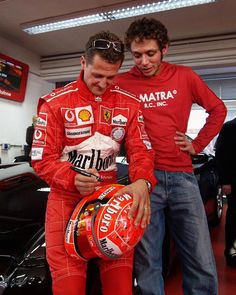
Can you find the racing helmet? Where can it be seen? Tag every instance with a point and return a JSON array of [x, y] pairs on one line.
[[99, 226]]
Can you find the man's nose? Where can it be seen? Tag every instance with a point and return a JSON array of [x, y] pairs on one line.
[[103, 83], [144, 60]]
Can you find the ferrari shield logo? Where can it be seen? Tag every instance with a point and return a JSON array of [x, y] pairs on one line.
[[106, 115]]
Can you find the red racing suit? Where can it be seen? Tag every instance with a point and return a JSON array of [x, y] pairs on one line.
[[77, 128]]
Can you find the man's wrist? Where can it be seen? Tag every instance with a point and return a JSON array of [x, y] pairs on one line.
[[149, 185]]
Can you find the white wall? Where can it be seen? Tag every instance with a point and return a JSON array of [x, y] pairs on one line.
[[15, 117]]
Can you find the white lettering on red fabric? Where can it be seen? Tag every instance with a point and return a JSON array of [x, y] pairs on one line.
[[112, 208], [157, 96]]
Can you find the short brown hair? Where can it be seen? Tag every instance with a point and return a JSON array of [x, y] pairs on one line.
[[108, 54], [147, 28]]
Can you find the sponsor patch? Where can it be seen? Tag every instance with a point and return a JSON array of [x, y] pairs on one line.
[[97, 151], [106, 192], [93, 158], [98, 99], [42, 120], [105, 115], [78, 116], [39, 136], [84, 115], [120, 116], [140, 117], [142, 131], [118, 133], [78, 133], [147, 144], [69, 117], [119, 120], [37, 153]]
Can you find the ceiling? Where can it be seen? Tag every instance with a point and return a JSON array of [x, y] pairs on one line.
[[183, 24]]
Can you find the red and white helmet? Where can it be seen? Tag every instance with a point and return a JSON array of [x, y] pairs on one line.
[[99, 226]]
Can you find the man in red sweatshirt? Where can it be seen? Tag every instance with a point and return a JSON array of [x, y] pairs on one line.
[[167, 92]]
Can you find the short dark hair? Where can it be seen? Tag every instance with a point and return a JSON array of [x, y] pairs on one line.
[[147, 28], [108, 54]]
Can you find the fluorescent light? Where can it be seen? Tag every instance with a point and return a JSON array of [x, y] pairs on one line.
[[111, 15]]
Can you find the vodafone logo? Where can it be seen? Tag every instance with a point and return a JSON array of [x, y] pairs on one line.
[[39, 136], [69, 116]]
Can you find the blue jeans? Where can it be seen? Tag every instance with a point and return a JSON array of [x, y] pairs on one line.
[[177, 194]]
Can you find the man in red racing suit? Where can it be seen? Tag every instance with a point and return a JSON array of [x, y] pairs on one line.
[[84, 124]]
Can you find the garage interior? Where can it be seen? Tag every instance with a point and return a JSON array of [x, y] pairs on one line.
[[202, 37]]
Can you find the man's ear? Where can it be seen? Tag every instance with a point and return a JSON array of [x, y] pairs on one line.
[[165, 49], [83, 62]]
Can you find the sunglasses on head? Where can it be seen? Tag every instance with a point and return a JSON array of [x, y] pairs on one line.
[[105, 44]]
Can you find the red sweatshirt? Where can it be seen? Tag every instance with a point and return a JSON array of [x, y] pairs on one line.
[[167, 99]]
